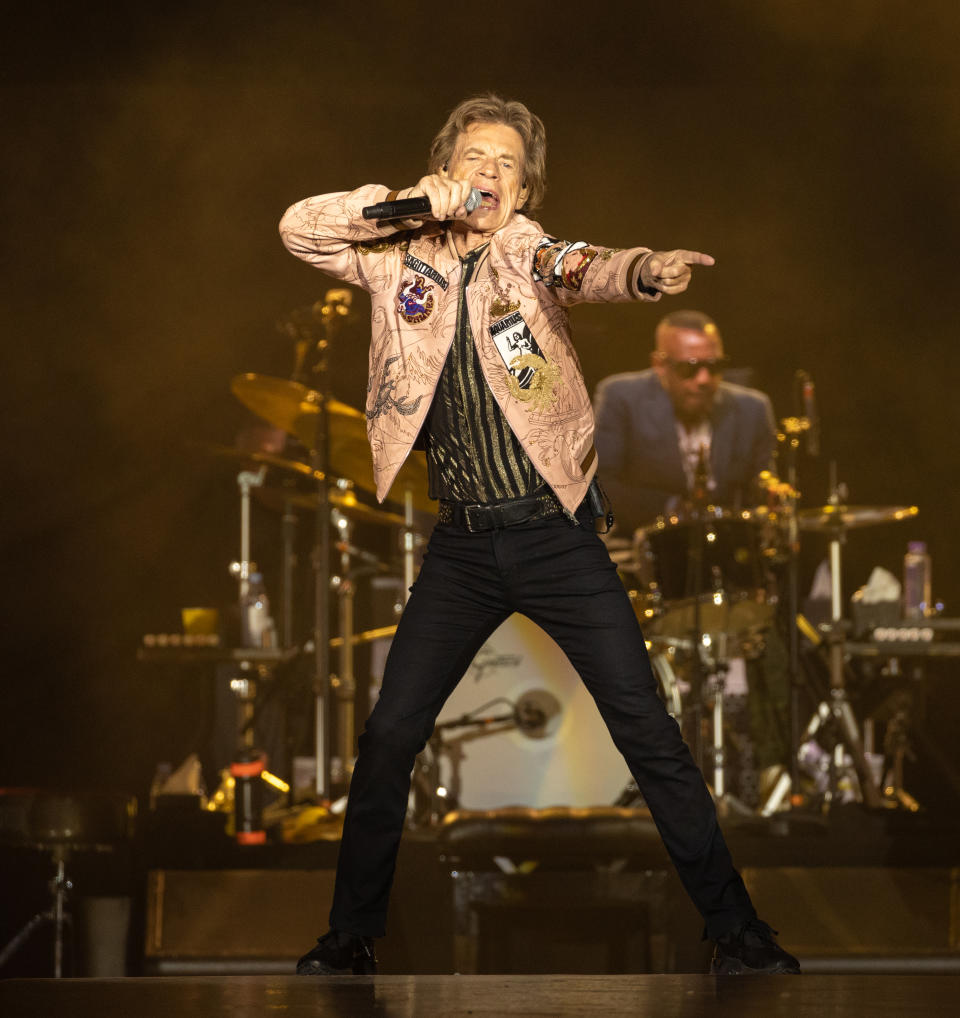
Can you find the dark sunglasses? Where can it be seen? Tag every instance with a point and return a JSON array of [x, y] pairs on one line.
[[690, 369]]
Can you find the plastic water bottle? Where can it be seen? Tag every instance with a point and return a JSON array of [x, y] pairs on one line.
[[258, 628], [916, 581]]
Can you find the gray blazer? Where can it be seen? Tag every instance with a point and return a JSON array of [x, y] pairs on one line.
[[639, 454]]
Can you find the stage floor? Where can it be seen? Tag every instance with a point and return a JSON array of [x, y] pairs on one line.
[[666, 996]]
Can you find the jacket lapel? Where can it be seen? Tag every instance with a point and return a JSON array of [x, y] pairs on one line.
[[721, 444], [664, 421]]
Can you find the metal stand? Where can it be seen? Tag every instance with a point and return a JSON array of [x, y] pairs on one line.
[[330, 314], [838, 706], [344, 683], [56, 914], [718, 684], [246, 481]]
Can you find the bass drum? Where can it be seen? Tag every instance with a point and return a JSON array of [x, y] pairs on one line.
[[549, 746]]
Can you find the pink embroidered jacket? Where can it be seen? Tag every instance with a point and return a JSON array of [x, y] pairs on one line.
[[518, 306]]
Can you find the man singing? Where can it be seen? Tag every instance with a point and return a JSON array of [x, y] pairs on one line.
[[508, 433]]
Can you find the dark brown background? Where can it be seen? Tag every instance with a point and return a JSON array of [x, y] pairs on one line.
[[814, 149]]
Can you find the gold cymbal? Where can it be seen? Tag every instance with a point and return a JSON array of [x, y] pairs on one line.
[[277, 498], [292, 406], [296, 408], [261, 459], [847, 517]]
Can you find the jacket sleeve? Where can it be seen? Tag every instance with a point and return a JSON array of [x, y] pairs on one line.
[[578, 271], [330, 233]]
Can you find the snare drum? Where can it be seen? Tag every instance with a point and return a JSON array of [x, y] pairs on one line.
[[728, 582]]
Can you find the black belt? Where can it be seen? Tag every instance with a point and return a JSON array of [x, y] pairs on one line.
[[496, 515]]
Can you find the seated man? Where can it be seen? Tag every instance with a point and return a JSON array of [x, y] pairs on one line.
[[653, 426]]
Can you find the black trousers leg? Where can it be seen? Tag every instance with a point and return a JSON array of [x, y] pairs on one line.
[[455, 604], [561, 577], [564, 581]]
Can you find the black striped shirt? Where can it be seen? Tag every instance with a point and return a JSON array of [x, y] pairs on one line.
[[473, 455]]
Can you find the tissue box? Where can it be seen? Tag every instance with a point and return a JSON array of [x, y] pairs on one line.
[[866, 617]]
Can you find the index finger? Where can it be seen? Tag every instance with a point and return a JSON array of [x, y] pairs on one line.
[[696, 258]]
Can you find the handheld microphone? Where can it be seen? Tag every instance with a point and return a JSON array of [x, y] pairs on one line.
[[413, 208]]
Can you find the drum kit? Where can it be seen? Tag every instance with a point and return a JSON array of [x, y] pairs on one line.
[[706, 583]]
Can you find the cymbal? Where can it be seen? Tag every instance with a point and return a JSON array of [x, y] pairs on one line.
[[277, 498], [296, 409], [289, 405], [260, 459], [847, 517]]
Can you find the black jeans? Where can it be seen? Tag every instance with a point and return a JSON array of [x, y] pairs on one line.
[[559, 575]]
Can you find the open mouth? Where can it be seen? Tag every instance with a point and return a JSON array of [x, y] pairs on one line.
[[490, 200]]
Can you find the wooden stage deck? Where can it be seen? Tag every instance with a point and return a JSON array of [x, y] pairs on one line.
[[663, 996]]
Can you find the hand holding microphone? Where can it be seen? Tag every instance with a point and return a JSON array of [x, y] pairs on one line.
[[434, 197]]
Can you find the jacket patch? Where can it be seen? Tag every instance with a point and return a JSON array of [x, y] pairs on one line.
[[425, 270], [501, 306], [415, 301], [531, 378]]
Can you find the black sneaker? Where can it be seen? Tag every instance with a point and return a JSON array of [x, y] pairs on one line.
[[339, 954], [750, 950]]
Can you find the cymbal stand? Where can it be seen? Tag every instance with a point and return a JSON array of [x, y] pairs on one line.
[[246, 481], [344, 683], [717, 686], [789, 435], [839, 706], [329, 315], [791, 430], [56, 913]]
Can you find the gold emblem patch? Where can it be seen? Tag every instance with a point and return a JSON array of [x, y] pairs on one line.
[[542, 380]]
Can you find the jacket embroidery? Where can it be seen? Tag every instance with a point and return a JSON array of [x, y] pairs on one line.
[[385, 400], [367, 247]]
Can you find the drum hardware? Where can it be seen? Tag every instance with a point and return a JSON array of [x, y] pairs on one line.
[[826, 519], [367, 636], [60, 825], [343, 683], [305, 413], [706, 591], [56, 913], [432, 798], [336, 435], [834, 519], [341, 497], [801, 427]]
